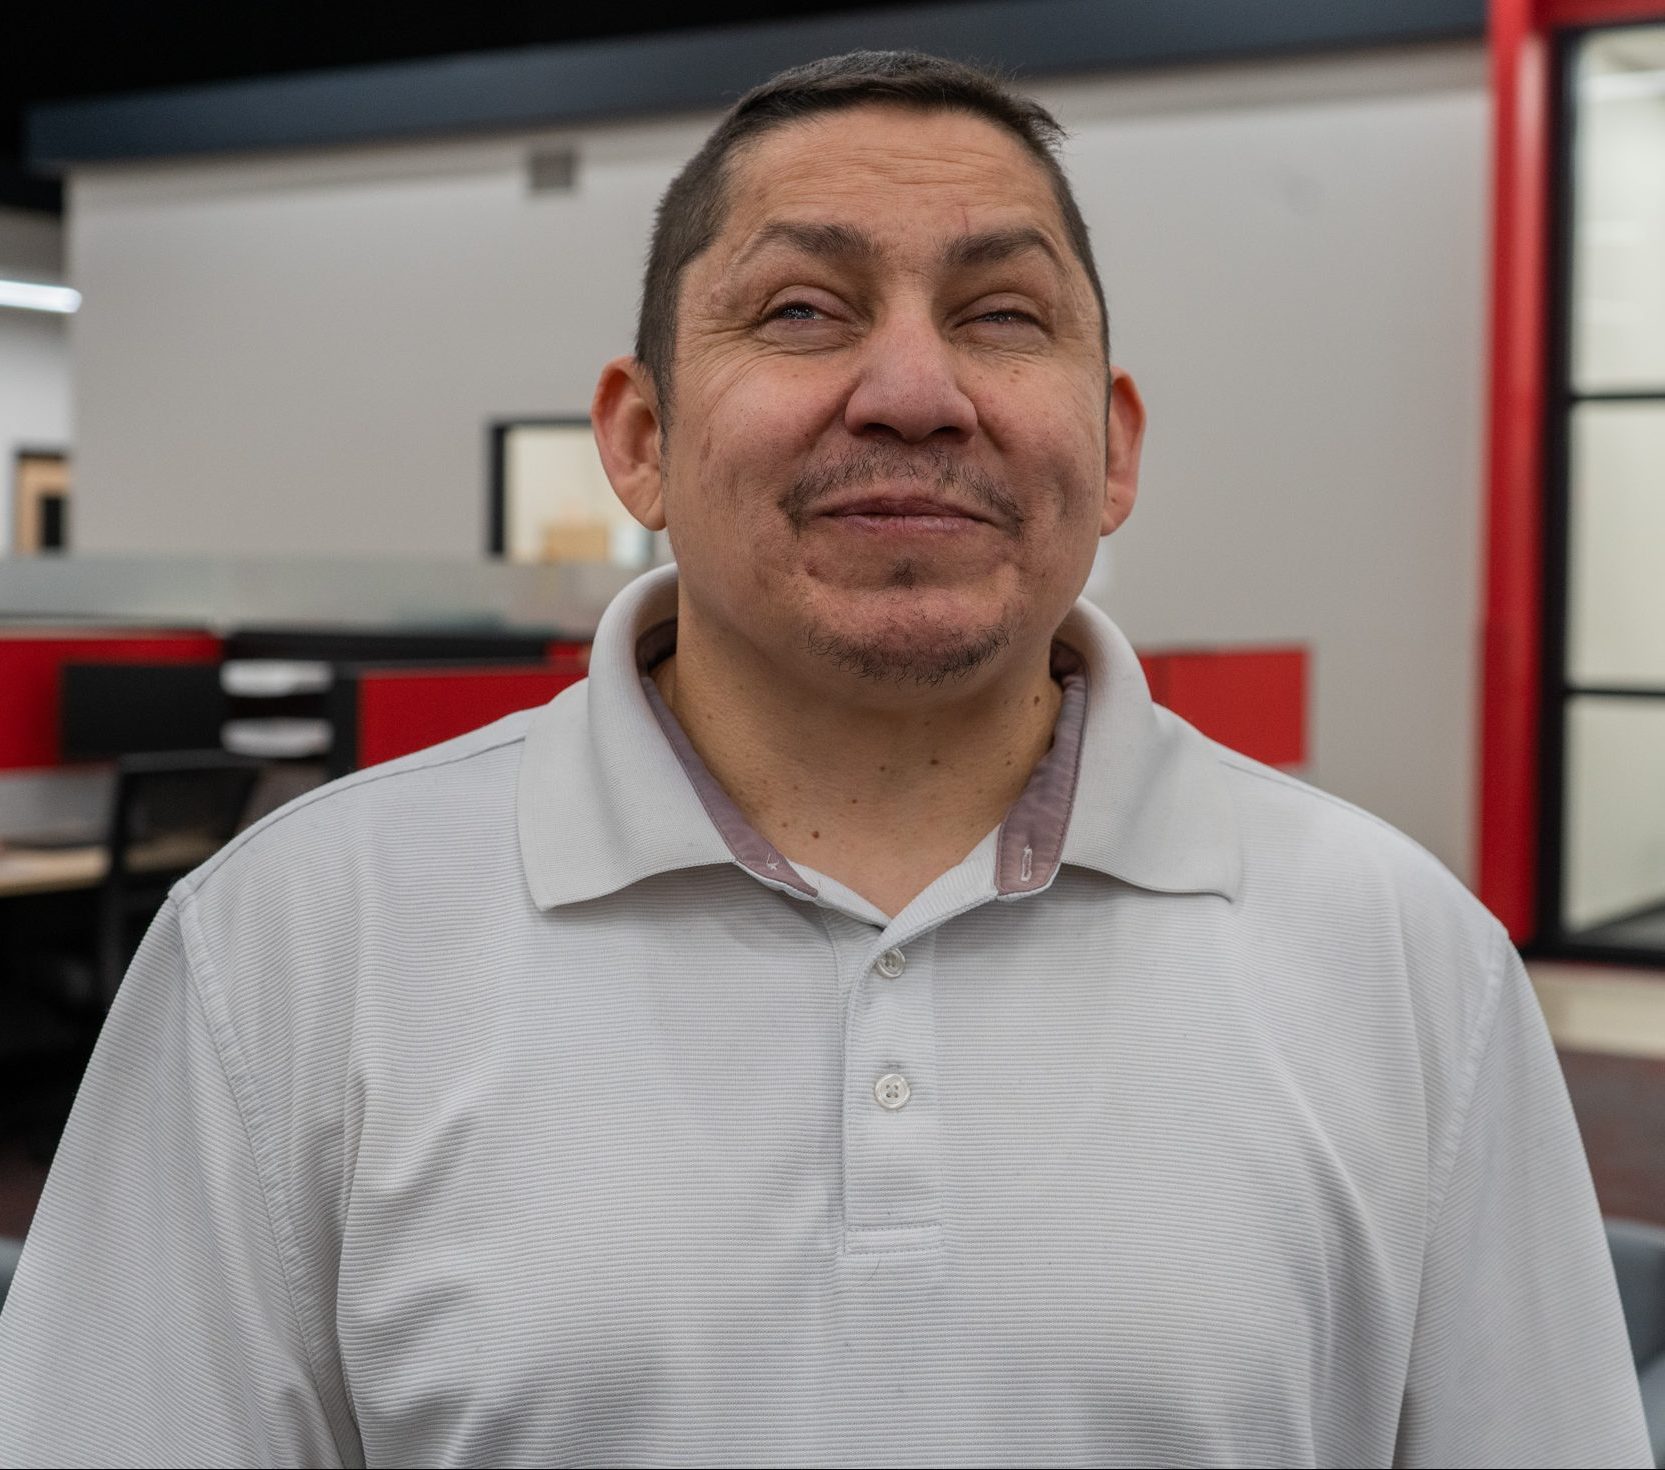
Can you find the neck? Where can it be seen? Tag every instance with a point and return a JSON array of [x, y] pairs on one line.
[[885, 798]]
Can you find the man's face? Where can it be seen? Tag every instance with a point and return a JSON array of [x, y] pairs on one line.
[[887, 451]]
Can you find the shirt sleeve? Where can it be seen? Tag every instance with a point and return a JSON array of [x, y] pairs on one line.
[[1519, 1356], [151, 1321]]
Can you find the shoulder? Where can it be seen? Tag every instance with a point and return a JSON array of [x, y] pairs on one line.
[[1318, 855], [341, 901], [411, 798], [1289, 820], [1376, 950], [419, 835]]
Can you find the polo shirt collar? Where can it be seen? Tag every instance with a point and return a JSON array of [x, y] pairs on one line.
[[1151, 805], [608, 796]]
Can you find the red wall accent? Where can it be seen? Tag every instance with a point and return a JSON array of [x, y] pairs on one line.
[[1252, 699], [30, 665], [1512, 632], [401, 710]]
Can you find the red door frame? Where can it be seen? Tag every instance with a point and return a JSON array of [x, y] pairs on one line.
[[1521, 32]]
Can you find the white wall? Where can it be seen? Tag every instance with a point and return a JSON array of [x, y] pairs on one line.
[[1296, 263], [301, 353], [34, 353]]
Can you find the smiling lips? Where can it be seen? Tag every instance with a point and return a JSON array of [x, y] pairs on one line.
[[910, 514]]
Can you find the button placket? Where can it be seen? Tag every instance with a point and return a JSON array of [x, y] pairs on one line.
[[892, 1133]]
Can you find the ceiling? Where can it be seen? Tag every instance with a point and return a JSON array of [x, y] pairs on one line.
[[70, 48]]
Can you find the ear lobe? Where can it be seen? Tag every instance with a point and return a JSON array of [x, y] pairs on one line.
[[1125, 437], [624, 415]]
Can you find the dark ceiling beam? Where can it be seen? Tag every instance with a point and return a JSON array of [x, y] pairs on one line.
[[22, 190], [694, 70]]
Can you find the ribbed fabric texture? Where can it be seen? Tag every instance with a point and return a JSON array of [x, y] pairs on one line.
[[391, 1153]]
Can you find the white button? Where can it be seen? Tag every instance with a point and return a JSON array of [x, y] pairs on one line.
[[892, 1091], [891, 963]]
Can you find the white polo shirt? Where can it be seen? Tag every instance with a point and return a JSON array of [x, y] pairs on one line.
[[516, 1103]]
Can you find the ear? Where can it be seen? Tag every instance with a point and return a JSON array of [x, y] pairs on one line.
[[1125, 436], [624, 415]]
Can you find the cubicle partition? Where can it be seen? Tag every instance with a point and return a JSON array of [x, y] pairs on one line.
[[384, 692], [32, 663], [381, 713], [1251, 699], [73, 697], [330, 699]]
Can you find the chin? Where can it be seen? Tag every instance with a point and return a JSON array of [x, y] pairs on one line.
[[911, 648]]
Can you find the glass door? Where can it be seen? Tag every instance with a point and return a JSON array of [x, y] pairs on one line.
[[1604, 722]]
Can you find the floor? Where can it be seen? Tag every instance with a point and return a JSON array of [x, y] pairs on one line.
[[1609, 1028], [1608, 1022]]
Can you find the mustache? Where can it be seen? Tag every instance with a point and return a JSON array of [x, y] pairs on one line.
[[931, 468]]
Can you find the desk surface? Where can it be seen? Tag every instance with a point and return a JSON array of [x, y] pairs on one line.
[[26, 870]]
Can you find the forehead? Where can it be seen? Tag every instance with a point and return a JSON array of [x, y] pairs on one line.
[[895, 170]]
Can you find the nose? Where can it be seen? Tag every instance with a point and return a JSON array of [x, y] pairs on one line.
[[909, 387]]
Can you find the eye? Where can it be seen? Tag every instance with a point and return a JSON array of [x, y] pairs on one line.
[[1008, 316], [795, 311]]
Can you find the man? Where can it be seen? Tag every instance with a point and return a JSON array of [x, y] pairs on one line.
[[856, 1026]]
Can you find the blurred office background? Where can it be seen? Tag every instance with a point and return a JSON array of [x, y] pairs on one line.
[[304, 307]]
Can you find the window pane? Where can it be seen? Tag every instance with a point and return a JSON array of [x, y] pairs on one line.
[[1615, 819], [1616, 549], [1618, 296], [559, 505]]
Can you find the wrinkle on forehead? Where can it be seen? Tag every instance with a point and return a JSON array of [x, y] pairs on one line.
[[840, 241], [914, 181], [946, 160]]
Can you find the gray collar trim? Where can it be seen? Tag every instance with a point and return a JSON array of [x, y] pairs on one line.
[[611, 792], [750, 849], [1032, 837]]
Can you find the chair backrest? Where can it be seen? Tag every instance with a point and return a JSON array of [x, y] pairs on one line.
[[11, 1251], [170, 811], [1639, 1264]]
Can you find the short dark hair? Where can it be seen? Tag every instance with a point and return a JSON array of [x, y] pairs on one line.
[[693, 208]]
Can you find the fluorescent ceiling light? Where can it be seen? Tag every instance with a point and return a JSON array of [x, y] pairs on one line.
[[34, 297]]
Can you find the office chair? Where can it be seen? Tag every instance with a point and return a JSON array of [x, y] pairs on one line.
[[1639, 1264], [10, 1252], [170, 811]]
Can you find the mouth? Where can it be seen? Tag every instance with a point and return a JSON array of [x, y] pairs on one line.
[[907, 513]]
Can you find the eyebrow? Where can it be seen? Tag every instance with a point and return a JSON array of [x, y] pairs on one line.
[[834, 241], [994, 246], [830, 240]]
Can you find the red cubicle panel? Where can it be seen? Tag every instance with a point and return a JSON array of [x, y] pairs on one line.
[[401, 710], [30, 671], [1252, 699]]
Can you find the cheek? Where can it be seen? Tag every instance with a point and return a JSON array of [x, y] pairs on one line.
[[1050, 432], [748, 443], [765, 409], [1061, 467]]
